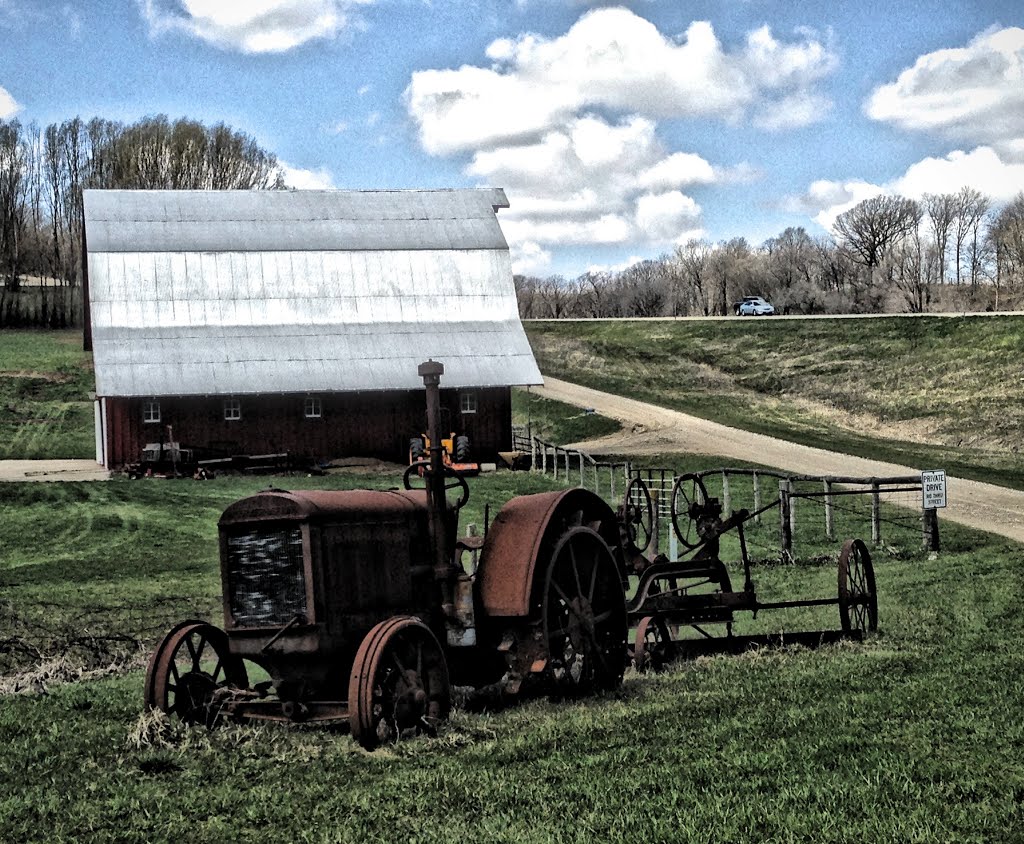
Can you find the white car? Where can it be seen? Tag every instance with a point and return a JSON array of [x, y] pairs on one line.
[[753, 306]]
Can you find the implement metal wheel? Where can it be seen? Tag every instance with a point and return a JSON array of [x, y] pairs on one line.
[[858, 601], [688, 494], [189, 668], [399, 683], [584, 615], [653, 648], [638, 515]]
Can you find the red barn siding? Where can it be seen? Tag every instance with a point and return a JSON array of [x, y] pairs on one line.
[[377, 424]]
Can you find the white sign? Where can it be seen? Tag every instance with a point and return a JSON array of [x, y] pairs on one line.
[[933, 489]]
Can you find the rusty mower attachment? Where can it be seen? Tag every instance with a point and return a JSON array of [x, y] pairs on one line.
[[695, 592]]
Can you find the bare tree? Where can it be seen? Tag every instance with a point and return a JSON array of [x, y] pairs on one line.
[[971, 207], [13, 196], [941, 209], [1007, 238], [869, 228], [693, 258], [912, 264]]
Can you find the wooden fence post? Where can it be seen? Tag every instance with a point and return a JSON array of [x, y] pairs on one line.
[[726, 498], [785, 523], [876, 515], [930, 529], [757, 496], [792, 508], [581, 469], [830, 527]]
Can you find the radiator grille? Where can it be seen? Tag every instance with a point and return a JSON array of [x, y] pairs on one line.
[[266, 578]]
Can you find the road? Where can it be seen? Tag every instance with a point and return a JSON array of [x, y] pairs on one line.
[[649, 429], [52, 470]]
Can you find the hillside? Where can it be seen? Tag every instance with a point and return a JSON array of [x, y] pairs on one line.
[[942, 391]]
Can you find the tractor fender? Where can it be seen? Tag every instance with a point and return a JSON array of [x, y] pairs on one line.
[[522, 538]]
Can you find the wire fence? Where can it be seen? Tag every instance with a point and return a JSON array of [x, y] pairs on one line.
[[791, 515]]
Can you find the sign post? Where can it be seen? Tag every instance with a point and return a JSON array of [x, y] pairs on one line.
[[933, 496]]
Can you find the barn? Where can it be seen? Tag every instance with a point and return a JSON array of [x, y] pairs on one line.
[[293, 322]]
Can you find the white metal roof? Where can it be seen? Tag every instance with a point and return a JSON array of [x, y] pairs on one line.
[[234, 292]]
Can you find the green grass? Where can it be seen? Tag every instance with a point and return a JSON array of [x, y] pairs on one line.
[[925, 392], [557, 422], [914, 735], [45, 411]]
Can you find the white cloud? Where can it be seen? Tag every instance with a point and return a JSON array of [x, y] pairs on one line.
[[593, 182], [301, 178], [677, 170], [613, 59], [8, 106], [982, 168], [975, 93], [254, 26], [529, 257], [792, 112], [666, 216], [568, 125]]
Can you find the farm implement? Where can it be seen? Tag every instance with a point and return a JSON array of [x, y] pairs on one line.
[[695, 594], [363, 607]]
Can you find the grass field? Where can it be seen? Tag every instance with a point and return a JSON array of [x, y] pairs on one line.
[[925, 392], [45, 411], [913, 736]]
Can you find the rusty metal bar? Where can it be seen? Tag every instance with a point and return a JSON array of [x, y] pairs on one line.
[[757, 497]]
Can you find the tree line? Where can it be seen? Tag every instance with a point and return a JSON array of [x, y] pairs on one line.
[[43, 172], [956, 251]]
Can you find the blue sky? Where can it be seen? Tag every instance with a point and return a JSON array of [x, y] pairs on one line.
[[617, 130]]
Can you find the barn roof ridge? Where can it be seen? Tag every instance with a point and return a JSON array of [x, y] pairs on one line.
[[222, 304]]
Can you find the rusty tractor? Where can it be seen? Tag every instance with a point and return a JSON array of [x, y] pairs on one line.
[[363, 606], [694, 593]]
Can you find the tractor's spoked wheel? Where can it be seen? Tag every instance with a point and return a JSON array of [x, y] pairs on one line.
[[688, 495], [189, 668], [653, 648], [584, 615], [399, 683], [858, 601], [638, 515]]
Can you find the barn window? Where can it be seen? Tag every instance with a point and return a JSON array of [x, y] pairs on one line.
[[312, 407], [467, 402], [150, 412], [232, 409]]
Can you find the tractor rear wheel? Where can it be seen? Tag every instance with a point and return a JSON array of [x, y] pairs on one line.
[[188, 671], [584, 615], [417, 449], [399, 683]]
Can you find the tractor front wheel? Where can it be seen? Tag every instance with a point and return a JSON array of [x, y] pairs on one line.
[[189, 670], [399, 683]]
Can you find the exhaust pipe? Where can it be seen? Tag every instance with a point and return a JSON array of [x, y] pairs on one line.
[[437, 504]]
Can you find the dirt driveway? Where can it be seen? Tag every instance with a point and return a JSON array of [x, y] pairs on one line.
[[653, 430], [52, 470]]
